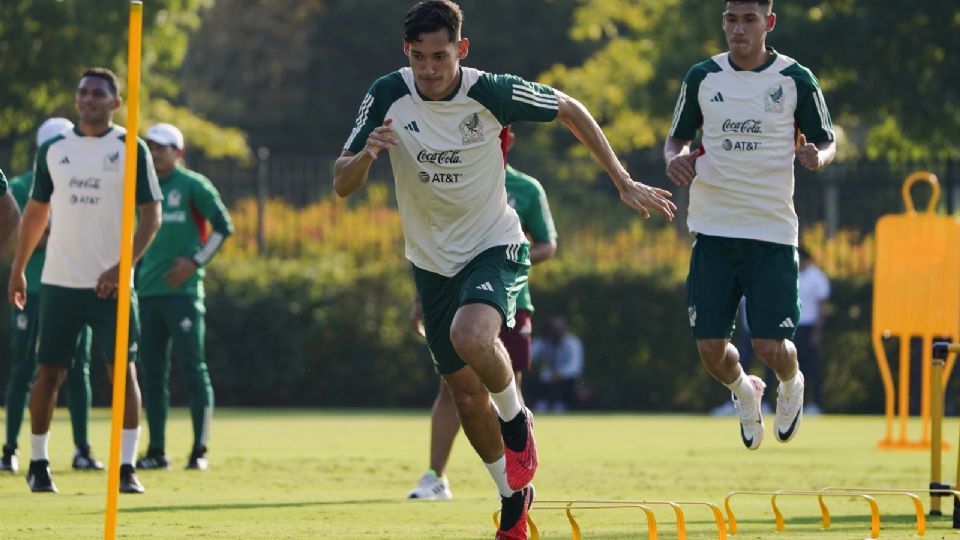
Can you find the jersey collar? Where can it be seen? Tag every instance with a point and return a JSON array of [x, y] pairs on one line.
[[450, 97], [76, 129], [761, 67]]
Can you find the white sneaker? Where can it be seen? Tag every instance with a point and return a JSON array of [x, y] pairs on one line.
[[751, 419], [789, 411], [431, 488]]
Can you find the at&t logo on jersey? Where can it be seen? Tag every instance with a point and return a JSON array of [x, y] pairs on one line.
[[743, 146], [438, 178]]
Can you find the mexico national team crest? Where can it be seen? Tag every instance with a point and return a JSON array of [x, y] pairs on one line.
[[111, 162], [773, 99], [471, 129], [173, 198]]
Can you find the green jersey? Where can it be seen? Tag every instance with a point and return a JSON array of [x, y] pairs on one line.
[[20, 187], [527, 197], [189, 201]]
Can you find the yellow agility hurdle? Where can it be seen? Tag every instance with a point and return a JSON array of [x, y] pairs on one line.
[[824, 512], [575, 527], [921, 519], [916, 293]]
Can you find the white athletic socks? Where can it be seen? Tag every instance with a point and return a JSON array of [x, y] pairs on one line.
[[38, 446], [788, 386], [498, 471], [128, 445], [507, 402], [743, 388]]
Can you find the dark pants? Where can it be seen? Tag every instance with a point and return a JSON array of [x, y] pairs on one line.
[[809, 357]]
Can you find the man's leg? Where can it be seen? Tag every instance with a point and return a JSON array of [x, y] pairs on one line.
[[79, 399], [187, 335], [23, 366], [444, 426], [154, 360]]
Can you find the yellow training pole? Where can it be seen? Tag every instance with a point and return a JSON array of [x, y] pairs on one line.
[[126, 262]]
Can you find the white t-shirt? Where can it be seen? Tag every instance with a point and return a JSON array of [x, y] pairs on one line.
[[814, 288], [448, 168], [749, 121], [82, 179]]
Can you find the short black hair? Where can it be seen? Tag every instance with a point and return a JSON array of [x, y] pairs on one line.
[[107, 75], [768, 3], [432, 15]]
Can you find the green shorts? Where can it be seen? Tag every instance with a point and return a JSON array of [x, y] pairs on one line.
[[724, 269], [63, 313], [493, 277]]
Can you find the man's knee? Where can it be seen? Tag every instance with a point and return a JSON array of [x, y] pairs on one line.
[[713, 352], [767, 349], [474, 330]]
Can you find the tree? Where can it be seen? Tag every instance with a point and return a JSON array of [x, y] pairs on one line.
[[44, 46]]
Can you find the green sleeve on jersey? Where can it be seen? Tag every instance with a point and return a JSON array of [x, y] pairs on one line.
[[812, 116], [382, 94], [535, 216], [207, 200], [42, 183], [513, 99], [687, 116], [20, 188], [148, 187]]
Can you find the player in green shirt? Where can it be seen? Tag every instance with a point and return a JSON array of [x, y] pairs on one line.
[[170, 286], [23, 331], [527, 197]]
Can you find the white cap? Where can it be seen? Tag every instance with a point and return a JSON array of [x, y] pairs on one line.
[[166, 134], [51, 127]]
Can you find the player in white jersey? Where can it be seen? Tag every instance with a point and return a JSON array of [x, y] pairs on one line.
[[440, 122], [749, 103], [79, 175]]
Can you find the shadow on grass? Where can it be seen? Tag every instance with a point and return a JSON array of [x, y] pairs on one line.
[[250, 506]]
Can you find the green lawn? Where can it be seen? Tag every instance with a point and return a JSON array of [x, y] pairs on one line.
[[343, 475]]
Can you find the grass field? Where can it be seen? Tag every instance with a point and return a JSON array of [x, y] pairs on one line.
[[343, 474]]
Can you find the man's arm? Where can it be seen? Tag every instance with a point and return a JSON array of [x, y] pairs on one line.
[[34, 223], [541, 251], [150, 218], [634, 194], [815, 156], [9, 217], [681, 163], [351, 170]]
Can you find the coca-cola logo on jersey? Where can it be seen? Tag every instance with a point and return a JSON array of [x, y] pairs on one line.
[[742, 126], [446, 157]]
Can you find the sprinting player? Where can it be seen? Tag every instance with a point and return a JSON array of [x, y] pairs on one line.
[[23, 331], [440, 122], [78, 176], [170, 287], [749, 104], [527, 197]]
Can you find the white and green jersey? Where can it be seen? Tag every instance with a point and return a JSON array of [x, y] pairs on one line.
[[749, 119], [82, 179], [448, 168]]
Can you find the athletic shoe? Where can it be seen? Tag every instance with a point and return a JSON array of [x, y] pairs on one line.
[[154, 459], [8, 461], [198, 459], [431, 488], [83, 460], [522, 463], [513, 514], [128, 480], [789, 411], [751, 419], [38, 477]]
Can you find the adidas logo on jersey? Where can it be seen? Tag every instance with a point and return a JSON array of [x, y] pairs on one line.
[[787, 323], [412, 126], [717, 98], [65, 160], [485, 286]]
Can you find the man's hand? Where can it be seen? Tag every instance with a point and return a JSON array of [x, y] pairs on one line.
[[17, 290], [808, 154], [108, 282], [682, 169], [416, 319], [381, 138], [183, 268], [644, 198]]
